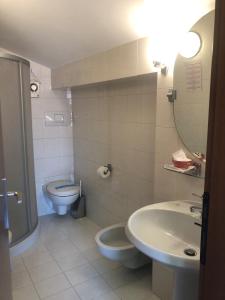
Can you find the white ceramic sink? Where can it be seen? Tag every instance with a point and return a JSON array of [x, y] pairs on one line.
[[164, 230]]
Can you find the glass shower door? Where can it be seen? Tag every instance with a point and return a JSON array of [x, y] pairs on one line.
[[13, 147]]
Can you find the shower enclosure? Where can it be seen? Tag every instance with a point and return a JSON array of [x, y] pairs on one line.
[[17, 144]]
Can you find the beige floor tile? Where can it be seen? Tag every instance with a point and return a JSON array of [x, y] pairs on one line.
[[52, 286], [37, 259], [89, 226], [81, 274], [93, 289], [91, 254], [71, 261], [61, 249], [144, 273], [25, 293], [67, 245], [17, 264], [52, 234], [56, 245], [135, 291], [103, 265], [119, 277], [37, 248], [69, 294], [84, 242], [20, 279], [108, 296], [44, 271]]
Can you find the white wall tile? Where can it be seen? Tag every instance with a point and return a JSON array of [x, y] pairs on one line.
[[125, 138], [128, 120], [38, 128], [168, 185], [53, 146]]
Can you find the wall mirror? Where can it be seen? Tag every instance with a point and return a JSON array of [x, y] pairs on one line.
[[192, 75]]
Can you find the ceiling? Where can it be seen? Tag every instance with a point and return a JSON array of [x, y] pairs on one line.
[[55, 32]]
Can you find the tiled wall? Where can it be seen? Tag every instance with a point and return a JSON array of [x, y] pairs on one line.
[[167, 185], [115, 123], [131, 59], [53, 146]]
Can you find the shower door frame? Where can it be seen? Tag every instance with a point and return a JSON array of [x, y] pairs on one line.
[[5, 274], [24, 143]]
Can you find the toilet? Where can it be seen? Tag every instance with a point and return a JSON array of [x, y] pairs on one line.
[[62, 194], [113, 243]]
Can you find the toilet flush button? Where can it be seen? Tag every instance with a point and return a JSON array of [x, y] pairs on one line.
[[59, 117]]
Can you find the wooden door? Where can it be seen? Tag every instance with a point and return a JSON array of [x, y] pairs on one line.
[[212, 277], [5, 277]]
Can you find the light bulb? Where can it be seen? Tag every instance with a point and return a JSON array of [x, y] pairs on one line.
[[191, 45]]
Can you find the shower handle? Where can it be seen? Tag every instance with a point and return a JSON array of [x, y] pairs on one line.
[[7, 194], [18, 196]]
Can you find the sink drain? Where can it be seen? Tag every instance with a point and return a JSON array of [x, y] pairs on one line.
[[190, 252]]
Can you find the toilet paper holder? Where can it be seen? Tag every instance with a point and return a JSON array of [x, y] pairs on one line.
[[109, 169]]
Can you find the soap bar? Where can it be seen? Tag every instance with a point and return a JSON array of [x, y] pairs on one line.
[[182, 164], [180, 160]]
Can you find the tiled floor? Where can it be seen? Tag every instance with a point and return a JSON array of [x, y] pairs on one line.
[[64, 264]]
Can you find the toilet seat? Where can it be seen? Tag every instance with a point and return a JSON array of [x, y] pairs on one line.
[[62, 188]]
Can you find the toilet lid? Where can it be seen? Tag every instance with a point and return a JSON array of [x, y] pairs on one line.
[[63, 188]]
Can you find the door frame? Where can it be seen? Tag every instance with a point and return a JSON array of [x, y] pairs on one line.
[[212, 270]]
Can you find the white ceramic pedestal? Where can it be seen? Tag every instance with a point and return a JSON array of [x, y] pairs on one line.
[[186, 285], [174, 283]]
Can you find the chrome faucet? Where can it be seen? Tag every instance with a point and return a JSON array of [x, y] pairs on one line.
[[194, 209], [197, 209]]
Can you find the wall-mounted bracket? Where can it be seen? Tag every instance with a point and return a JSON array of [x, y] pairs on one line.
[[163, 67], [109, 168], [171, 95]]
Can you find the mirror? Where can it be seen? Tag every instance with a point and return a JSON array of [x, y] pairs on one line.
[[192, 75]]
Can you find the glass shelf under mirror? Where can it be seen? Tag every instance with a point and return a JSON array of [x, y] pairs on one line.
[[194, 172]]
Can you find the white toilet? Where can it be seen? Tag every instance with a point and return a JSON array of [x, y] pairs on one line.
[[114, 244], [62, 193]]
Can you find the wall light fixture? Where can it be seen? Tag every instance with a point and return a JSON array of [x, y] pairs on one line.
[[163, 67], [191, 45]]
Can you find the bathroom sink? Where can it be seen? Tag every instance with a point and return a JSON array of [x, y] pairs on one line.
[[163, 231]]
